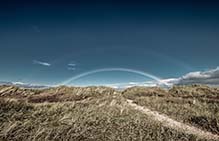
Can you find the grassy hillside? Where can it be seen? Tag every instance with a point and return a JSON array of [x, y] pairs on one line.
[[197, 105], [101, 113]]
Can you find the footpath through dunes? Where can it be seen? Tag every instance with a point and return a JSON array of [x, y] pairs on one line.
[[171, 123]]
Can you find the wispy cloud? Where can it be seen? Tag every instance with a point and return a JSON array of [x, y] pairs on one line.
[[41, 63], [132, 84], [72, 64], [70, 68]]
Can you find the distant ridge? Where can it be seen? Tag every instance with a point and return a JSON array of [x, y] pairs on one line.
[[24, 85]]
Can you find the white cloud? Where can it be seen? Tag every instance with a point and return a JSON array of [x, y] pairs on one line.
[[72, 64], [18, 83], [41, 63], [210, 77], [195, 75], [169, 82], [132, 84]]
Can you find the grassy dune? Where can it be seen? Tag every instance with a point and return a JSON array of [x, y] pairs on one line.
[[195, 105], [99, 113]]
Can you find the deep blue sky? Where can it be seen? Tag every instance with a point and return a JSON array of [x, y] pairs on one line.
[[167, 39]]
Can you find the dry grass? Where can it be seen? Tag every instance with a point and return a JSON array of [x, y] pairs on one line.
[[196, 105], [90, 120], [98, 114]]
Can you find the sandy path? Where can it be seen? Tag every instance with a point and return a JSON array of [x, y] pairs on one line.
[[171, 123]]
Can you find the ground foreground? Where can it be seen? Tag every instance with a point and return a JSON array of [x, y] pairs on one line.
[[100, 113]]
